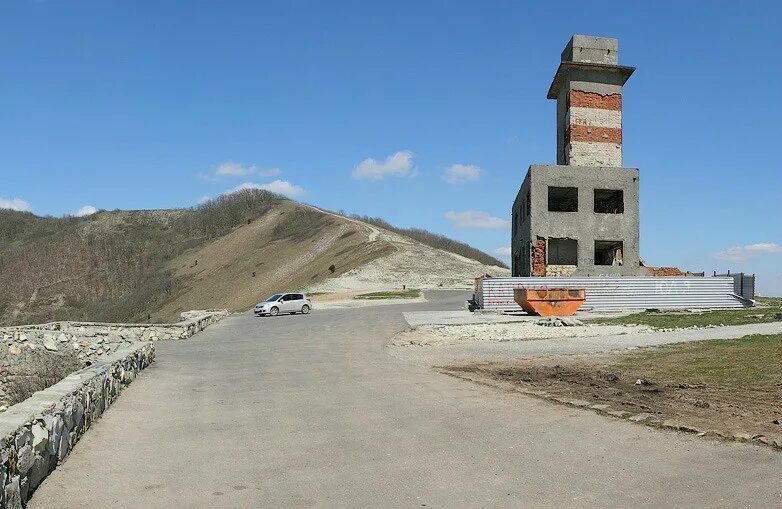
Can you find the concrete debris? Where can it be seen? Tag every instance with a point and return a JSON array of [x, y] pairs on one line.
[[49, 344], [560, 321]]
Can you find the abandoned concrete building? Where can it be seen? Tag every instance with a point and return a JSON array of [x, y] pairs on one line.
[[580, 216]]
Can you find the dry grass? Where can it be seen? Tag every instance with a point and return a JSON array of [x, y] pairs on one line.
[[400, 294], [127, 266], [220, 273], [110, 266], [677, 320]]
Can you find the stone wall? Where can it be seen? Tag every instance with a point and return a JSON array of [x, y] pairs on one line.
[[32, 357], [94, 336], [37, 434]]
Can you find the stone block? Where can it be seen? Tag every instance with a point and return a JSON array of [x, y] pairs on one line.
[[38, 472], [24, 489], [54, 426], [40, 438], [25, 458], [641, 417], [64, 446], [23, 437], [13, 495]]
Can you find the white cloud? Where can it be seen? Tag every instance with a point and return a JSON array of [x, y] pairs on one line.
[[742, 253], [502, 251], [233, 169], [86, 210], [205, 198], [15, 204], [398, 164], [282, 187], [476, 219], [460, 173]]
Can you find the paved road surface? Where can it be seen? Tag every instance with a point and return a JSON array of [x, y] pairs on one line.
[[310, 411]]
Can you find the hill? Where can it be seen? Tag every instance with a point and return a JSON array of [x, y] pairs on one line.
[[151, 265]]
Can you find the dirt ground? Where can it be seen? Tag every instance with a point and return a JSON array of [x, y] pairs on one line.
[[725, 386]]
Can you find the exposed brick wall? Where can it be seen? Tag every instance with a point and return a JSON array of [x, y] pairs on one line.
[[591, 133], [539, 257], [579, 99]]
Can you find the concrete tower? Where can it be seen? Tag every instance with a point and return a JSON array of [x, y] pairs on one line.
[[580, 217], [588, 89]]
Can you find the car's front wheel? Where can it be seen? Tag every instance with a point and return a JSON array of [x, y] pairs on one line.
[[305, 309], [274, 311]]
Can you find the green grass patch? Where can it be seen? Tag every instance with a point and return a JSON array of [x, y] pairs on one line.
[[678, 320], [769, 301], [400, 294], [750, 362]]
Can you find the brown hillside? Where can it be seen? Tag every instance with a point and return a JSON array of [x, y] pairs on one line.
[[287, 249], [124, 266]]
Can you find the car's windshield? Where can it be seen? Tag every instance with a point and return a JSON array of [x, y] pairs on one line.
[[274, 297]]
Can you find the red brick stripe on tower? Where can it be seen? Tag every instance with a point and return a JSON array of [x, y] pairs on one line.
[[579, 99], [597, 134]]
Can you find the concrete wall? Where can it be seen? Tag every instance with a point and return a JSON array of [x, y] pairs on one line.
[[585, 225], [592, 49], [38, 434], [520, 231]]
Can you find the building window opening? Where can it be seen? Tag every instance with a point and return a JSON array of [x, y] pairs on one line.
[[562, 252], [562, 199], [608, 252], [609, 201], [529, 203]]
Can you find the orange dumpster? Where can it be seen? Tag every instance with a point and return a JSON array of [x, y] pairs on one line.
[[550, 301]]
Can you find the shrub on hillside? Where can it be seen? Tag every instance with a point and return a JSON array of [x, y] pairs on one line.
[[110, 266]]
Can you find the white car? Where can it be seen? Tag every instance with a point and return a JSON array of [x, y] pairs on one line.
[[283, 303]]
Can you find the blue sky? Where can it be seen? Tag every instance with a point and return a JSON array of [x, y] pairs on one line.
[[387, 109]]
